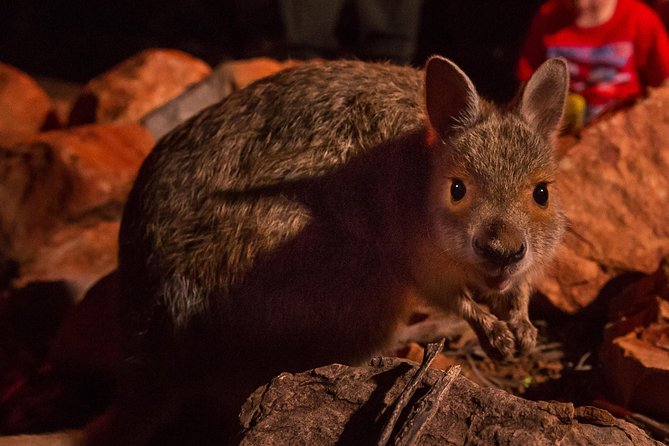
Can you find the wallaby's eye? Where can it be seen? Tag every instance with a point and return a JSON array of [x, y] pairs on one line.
[[540, 194], [458, 190]]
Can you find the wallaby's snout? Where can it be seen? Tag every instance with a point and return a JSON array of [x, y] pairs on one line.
[[500, 245]]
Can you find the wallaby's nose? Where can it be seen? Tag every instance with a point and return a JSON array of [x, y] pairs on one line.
[[500, 248]]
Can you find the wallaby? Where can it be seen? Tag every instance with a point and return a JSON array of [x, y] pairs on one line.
[[293, 225]]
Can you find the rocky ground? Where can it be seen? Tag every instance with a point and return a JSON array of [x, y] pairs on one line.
[[68, 156]]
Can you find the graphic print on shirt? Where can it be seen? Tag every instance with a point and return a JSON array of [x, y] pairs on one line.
[[597, 72]]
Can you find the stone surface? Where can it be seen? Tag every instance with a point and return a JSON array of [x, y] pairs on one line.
[[243, 72], [614, 185], [343, 405], [62, 93], [88, 340], [25, 108], [635, 351], [225, 78], [68, 438], [138, 85], [78, 255], [70, 175]]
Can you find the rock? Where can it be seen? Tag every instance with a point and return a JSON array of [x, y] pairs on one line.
[[343, 405], [65, 176], [67, 438], [243, 72], [614, 185], [226, 78], [29, 317], [88, 340], [415, 352], [25, 108], [74, 254], [9, 270], [635, 352], [102, 162], [62, 93], [136, 86]]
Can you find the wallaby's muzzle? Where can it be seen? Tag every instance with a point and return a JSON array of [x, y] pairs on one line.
[[499, 245]]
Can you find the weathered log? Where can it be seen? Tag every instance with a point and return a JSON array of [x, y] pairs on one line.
[[337, 404]]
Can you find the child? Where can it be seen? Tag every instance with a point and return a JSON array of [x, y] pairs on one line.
[[615, 48]]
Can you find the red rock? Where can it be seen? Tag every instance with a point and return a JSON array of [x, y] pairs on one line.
[[63, 176], [102, 162], [136, 86], [635, 353], [89, 338], [614, 185], [75, 254], [415, 352], [226, 78], [62, 93], [243, 72], [24, 106]]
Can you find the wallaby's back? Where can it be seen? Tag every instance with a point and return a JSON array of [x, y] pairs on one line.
[[297, 125], [225, 188]]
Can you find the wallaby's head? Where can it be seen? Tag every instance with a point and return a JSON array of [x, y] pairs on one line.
[[494, 213]]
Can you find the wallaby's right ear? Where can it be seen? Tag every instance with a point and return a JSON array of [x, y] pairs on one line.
[[450, 97], [544, 96]]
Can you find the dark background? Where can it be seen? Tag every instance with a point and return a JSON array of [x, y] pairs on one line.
[[75, 40]]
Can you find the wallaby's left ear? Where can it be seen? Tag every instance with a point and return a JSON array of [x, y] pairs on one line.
[[450, 97], [544, 96]]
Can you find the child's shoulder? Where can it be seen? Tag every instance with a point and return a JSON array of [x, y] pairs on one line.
[[637, 7], [640, 13]]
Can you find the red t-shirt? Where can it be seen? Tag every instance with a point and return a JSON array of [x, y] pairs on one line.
[[610, 62]]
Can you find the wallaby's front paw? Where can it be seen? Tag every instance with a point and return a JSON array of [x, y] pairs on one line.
[[525, 334], [498, 342]]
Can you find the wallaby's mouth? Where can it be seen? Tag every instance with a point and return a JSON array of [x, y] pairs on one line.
[[500, 282], [499, 279]]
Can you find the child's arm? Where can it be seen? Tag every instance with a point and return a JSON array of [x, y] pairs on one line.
[[653, 51]]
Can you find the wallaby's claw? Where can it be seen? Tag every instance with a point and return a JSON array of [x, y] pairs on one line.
[[499, 343], [525, 335]]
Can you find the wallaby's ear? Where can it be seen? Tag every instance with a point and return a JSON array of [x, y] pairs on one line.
[[543, 100], [450, 97]]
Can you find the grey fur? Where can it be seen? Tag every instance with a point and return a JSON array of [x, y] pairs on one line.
[[292, 224]]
